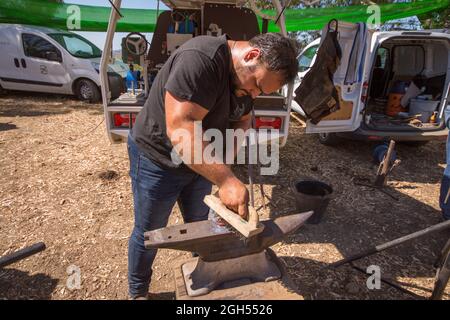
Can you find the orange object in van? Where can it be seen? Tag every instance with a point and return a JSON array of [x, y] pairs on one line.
[[393, 106], [396, 94]]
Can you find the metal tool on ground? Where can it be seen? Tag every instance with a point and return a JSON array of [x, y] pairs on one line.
[[390, 244], [442, 273], [222, 256], [442, 264], [246, 228], [21, 254], [384, 169], [386, 281]]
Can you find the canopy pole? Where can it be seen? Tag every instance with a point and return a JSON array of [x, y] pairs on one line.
[[157, 11]]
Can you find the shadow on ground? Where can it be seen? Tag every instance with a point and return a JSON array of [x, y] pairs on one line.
[[27, 104], [7, 126], [162, 296], [345, 282], [18, 285]]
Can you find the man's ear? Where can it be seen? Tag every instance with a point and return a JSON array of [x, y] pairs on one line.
[[252, 54]]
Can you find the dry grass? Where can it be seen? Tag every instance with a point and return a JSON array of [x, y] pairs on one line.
[[63, 183]]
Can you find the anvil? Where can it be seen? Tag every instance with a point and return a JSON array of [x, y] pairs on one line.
[[224, 255], [213, 242]]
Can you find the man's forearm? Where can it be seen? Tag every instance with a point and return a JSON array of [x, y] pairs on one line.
[[215, 171]]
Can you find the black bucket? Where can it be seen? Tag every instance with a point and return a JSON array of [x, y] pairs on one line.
[[312, 195]]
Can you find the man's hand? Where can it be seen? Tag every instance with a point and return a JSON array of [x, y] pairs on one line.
[[234, 195]]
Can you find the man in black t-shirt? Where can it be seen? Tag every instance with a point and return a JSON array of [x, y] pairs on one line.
[[202, 81]]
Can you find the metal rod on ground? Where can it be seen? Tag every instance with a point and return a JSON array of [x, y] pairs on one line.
[[388, 282], [21, 254], [390, 244], [442, 273]]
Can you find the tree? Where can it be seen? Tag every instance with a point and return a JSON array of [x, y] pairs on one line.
[[436, 20]]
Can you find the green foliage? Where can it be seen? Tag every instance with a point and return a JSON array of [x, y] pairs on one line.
[[436, 20]]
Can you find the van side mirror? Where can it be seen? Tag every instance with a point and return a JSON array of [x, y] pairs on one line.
[[53, 56]]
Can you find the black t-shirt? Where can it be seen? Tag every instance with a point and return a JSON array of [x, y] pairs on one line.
[[198, 71]]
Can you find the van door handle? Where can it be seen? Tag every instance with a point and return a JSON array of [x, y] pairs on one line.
[[24, 64], [16, 62]]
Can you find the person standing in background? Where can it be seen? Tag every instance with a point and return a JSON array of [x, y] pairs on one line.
[[444, 198]]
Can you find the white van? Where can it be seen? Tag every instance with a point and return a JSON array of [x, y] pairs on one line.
[[48, 60], [373, 64], [210, 17]]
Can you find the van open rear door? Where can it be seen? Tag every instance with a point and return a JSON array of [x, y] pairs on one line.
[[347, 80]]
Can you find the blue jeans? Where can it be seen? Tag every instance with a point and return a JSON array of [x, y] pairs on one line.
[[155, 191], [445, 185]]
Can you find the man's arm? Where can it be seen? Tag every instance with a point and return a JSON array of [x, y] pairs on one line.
[[181, 114]]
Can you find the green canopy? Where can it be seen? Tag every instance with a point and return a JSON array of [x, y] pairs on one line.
[[316, 18], [92, 18]]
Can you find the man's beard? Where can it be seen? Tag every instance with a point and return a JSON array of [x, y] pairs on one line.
[[242, 104], [235, 82]]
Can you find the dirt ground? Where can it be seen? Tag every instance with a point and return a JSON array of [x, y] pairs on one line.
[[63, 183]]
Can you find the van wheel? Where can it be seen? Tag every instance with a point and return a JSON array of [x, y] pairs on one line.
[[328, 139], [86, 90]]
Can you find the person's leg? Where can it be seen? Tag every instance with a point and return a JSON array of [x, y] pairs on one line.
[[155, 191], [445, 185], [445, 207], [191, 198]]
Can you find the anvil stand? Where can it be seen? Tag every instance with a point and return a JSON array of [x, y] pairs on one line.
[[229, 267], [262, 277]]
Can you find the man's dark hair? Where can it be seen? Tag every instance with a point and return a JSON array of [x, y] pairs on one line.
[[278, 53]]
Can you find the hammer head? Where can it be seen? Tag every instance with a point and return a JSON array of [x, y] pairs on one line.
[[213, 242]]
